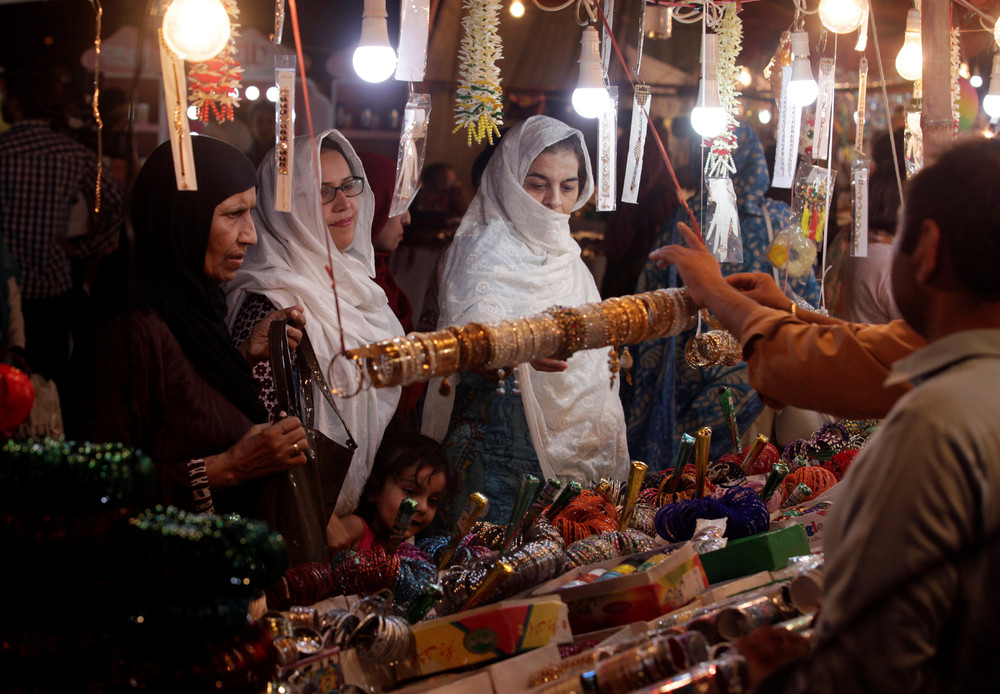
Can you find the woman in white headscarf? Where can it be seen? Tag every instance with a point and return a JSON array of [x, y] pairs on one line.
[[513, 256], [288, 266]]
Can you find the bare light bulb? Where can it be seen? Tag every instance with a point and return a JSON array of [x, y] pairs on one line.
[[842, 16], [764, 116], [910, 60], [991, 102], [517, 9], [590, 98], [802, 87], [196, 30], [745, 77], [374, 59], [252, 93], [708, 118]]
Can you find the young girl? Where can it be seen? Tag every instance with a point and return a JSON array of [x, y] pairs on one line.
[[407, 465]]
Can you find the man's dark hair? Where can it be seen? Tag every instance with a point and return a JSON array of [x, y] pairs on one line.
[[38, 89], [960, 193], [883, 199]]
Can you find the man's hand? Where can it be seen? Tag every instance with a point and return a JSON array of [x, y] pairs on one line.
[[760, 287], [549, 365], [257, 348], [697, 266]]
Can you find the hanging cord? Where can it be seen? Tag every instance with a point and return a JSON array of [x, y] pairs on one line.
[[885, 100], [652, 128], [315, 156], [97, 111]]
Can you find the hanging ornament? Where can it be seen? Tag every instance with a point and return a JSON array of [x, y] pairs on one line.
[[713, 348], [859, 133], [859, 208], [175, 105], [279, 22], [913, 134], [791, 253], [787, 136], [824, 109], [414, 29], [412, 149], [636, 144], [284, 114], [956, 66], [722, 235], [607, 146], [214, 84], [730, 37], [811, 199], [96, 105], [479, 98]]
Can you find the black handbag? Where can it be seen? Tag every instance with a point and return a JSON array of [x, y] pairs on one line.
[[303, 501]]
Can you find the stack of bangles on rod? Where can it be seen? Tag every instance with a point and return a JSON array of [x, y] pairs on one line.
[[559, 332]]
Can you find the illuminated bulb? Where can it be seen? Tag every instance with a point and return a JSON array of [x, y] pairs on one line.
[[802, 88], [842, 16], [910, 60], [196, 30], [745, 78], [963, 71], [991, 102], [517, 9], [252, 93], [976, 81], [708, 118], [374, 59], [271, 94], [764, 116], [192, 113], [590, 98], [659, 21]]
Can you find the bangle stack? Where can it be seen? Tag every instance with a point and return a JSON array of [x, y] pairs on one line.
[[558, 333]]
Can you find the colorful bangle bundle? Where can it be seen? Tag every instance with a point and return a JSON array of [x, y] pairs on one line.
[[588, 514], [742, 508], [557, 333]]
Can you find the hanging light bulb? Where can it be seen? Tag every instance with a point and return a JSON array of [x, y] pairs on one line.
[[910, 60], [802, 88], [764, 116], [590, 98], [659, 21], [842, 16], [196, 30], [708, 118], [374, 59], [991, 102], [517, 8]]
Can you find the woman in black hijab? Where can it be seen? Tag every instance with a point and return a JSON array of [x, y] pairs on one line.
[[166, 376]]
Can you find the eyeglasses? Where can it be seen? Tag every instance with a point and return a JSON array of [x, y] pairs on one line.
[[354, 187]]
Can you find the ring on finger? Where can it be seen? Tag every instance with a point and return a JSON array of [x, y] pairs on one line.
[[296, 447]]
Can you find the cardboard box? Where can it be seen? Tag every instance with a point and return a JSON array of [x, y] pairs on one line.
[[764, 552], [636, 597], [484, 634]]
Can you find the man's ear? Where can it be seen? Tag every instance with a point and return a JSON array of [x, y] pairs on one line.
[[926, 255]]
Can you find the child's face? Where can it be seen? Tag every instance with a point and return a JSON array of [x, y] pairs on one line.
[[423, 486]]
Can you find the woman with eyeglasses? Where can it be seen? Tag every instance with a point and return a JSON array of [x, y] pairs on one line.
[[288, 266]]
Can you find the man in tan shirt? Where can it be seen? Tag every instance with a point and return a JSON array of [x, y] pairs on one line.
[[794, 356], [912, 558]]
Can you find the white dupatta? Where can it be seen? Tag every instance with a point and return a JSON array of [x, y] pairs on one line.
[[288, 267], [513, 257]]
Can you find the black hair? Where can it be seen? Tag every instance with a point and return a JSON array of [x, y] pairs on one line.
[[572, 144], [959, 192], [401, 449], [883, 199], [38, 89], [331, 145]]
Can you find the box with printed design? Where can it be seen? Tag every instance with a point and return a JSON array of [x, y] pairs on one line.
[[638, 596], [485, 634]]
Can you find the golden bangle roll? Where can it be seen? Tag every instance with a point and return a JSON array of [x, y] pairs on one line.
[[713, 348], [571, 329], [594, 331], [501, 345], [614, 322], [446, 347], [429, 365], [407, 359], [385, 368], [636, 318], [525, 335], [547, 335]]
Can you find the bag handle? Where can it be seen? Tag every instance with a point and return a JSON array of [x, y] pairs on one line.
[[286, 381], [282, 371]]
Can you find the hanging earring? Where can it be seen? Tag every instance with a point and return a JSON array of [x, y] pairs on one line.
[[627, 364], [501, 387], [445, 388], [614, 365], [515, 387]]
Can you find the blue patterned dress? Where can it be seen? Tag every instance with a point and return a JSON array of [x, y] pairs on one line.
[[668, 398]]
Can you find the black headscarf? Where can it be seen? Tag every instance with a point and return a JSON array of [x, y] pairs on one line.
[[167, 253]]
